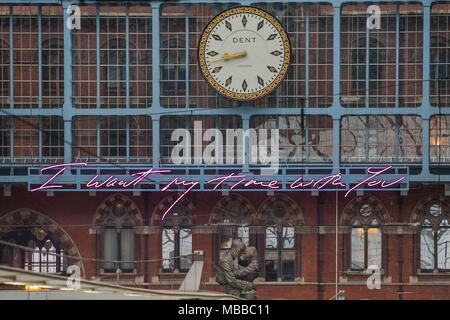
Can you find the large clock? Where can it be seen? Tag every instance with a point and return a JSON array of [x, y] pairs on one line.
[[244, 53]]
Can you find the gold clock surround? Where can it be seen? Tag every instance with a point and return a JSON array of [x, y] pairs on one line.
[[202, 46]]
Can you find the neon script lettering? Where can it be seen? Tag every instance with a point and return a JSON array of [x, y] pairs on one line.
[[231, 182]]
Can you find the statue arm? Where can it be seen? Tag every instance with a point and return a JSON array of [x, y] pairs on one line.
[[245, 271], [230, 276]]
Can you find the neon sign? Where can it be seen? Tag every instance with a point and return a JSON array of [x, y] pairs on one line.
[[232, 181]]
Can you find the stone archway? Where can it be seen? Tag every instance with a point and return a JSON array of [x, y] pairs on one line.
[[33, 217], [224, 202], [422, 204], [165, 203], [106, 205], [354, 204], [293, 214]]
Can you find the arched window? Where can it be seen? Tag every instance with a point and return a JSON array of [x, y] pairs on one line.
[[365, 239], [359, 66], [118, 239], [46, 259], [45, 255], [53, 67], [435, 239], [233, 221], [176, 241], [279, 244]]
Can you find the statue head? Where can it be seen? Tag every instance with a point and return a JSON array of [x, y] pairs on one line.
[[237, 248], [249, 254]]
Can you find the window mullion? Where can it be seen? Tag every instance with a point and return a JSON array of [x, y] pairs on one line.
[[119, 250], [187, 55], [177, 250], [127, 56], [366, 248], [435, 236], [280, 251]]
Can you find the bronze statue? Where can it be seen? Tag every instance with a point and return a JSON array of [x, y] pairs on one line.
[[238, 269]]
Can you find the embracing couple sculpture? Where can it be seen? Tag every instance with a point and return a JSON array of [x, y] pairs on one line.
[[238, 269]]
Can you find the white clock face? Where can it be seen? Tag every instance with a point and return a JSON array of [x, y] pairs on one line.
[[244, 53]]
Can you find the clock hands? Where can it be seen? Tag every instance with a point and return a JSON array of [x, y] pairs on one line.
[[227, 56]]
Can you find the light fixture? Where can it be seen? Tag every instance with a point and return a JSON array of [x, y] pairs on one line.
[[33, 287]]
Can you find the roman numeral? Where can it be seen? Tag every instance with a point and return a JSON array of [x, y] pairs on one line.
[[228, 25], [216, 37], [260, 25], [260, 80], [271, 69], [244, 21], [272, 36], [244, 85]]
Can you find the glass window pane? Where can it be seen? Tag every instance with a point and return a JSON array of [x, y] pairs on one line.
[[110, 248], [271, 238], [357, 249], [426, 249], [127, 249], [271, 270], [443, 244], [243, 234], [435, 210], [374, 247], [168, 249], [185, 249], [288, 270], [288, 238]]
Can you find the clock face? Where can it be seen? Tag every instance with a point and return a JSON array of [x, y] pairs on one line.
[[244, 53]]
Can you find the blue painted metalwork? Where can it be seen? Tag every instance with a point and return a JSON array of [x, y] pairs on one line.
[[396, 139], [67, 111], [307, 56], [97, 48], [186, 55], [11, 59], [40, 55], [397, 53], [366, 142], [245, 112], [366, 80], [11, 137], [127, 56], [128, 138], [40, 139], [98, 139], [336, 85]]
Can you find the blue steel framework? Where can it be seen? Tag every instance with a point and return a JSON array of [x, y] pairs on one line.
[[336, 110]]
